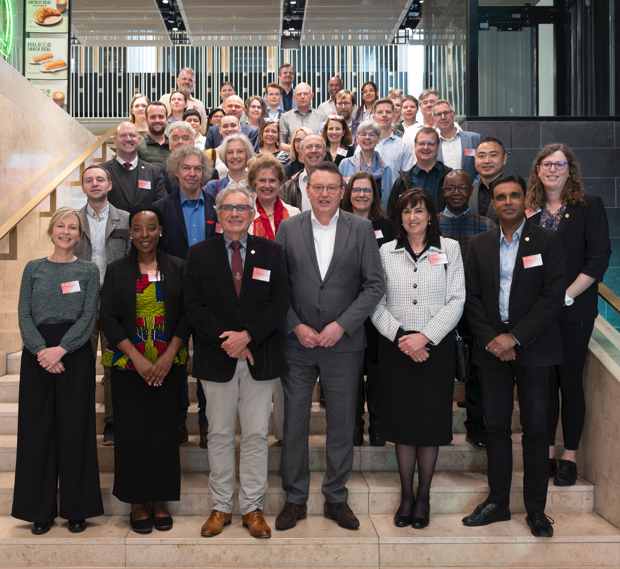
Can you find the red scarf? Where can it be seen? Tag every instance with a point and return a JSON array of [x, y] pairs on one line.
[[262, 225]]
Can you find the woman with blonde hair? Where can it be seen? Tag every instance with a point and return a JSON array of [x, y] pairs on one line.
[[556, 200], [56, 437], [396, 96], [137, 112], [296, 164]]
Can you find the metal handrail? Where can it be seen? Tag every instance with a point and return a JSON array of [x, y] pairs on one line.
[[609, 296], [10, 226]]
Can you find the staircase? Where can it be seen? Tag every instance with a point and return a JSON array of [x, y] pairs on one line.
[[582, 538]]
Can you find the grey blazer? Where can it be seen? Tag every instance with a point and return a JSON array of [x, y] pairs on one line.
[[352, 287], [473, 203], [117, 242]]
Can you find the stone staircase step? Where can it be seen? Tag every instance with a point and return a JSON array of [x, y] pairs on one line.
[[370, 492], [583, 539]]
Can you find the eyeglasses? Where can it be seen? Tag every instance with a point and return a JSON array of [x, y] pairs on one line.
[[180, 139], [358, 191], [241, 208], [367, 134], [444, 114], [343, 103], [318, 188], [255, 107], [429, 144], [558, 165], [463, 189]]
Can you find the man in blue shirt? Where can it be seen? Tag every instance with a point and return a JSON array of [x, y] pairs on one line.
[[189, 218]]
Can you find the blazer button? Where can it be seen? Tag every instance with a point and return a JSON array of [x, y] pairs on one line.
[[322, 288], [415, 302], [415, 269], [415, 286]]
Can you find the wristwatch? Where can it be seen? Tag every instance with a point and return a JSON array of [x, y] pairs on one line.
[[568, 300]]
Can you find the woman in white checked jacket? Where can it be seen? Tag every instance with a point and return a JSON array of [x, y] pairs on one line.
[[423, 302]]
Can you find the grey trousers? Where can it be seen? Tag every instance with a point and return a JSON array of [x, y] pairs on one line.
[[339, 378], [278, 410], [252, 399], [106, 382]]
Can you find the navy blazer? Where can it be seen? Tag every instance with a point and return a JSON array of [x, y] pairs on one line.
[[214, 138], [469, 140], [174, 234]]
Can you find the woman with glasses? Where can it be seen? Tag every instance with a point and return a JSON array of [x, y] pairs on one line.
[[215, 116], [369, 160], [338, 139], [362, 198], [178, 105], [269, 140], [370, 94], [296, 164], [555, 199], [256, 111], [235, 151], [409, 110]]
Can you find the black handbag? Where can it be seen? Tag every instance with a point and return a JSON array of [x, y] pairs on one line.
[[462, 357]]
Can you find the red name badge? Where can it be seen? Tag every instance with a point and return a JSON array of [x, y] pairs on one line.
[[469, 152], [438, 259], [218, 228], [72, 286], [144, 184], [532, 261], [154, 276], [261, 274], [379, 234]]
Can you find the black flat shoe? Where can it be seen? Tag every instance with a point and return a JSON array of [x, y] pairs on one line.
[[402, 521], [39, 528], [419, 523], [163, 524], [487, 513], [76, 526], [141, 526], [566, 474], [553, 467]]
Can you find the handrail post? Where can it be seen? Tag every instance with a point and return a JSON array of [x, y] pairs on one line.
[[12, 254], [52, 210]]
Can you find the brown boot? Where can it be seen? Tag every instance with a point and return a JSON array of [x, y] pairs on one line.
[[215, 524], [204, 434], [342, 514], [256, 523]]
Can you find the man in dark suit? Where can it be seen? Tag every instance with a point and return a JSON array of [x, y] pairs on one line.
[[134, 182], [236, 295], [232, 106], [336, 280], [516, 280], [189, 218], [490, 160]]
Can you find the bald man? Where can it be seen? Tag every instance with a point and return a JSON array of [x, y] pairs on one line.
[[232, 106], [300, 116], [134, 182], [333, 87]]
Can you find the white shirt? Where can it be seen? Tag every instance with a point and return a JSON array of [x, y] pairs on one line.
[[328, 107], [97, 227], [324, 240], [134, 163], [200, 142], [452, 150], [303, 184]]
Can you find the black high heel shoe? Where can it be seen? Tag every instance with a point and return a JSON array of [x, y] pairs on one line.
[[420, 523]]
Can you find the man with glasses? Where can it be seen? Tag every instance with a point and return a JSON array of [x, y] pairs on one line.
[[458, 146], [236, 295], [185, 83], [345, 105], [232, 106], [458, 222], [335, 279], [303, 115], [428, 173], [334, 86]]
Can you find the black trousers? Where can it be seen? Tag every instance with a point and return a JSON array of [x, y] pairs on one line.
[[56, 438], [498, 399], [473, 402], [568, 378], [367, 393]]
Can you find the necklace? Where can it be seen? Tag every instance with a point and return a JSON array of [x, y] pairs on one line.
[[270, 214]]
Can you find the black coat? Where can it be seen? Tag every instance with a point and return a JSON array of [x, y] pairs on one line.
[[118, 301], [213, 306], [585, 238], [536, 297]]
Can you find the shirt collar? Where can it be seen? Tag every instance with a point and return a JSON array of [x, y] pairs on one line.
[[102, 214], [133, 163], [459, 130], [392, 135], [448, 213], [303, 176], [331, 221], [184, 200], [417, 169], [243, 241], [515, 237]]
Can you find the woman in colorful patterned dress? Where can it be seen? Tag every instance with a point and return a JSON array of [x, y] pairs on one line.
[[143, 317]]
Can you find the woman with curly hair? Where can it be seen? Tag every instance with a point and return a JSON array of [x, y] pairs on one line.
[[269, 140], [556, 200]]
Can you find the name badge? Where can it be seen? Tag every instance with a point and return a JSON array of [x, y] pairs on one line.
[[72, 286], [144, 184], [532, 261], [154, 276], [379, 234], [218, 228], [438, 259], [530, 212], [341, 151], [469, 152], [261, 274]]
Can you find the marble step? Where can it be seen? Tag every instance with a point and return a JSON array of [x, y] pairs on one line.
[[452, 492], [580, 540], [459, 455]]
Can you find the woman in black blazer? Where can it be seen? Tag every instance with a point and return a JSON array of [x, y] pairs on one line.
[[556, 200], [338, 140], [143, 318], [362, 198]]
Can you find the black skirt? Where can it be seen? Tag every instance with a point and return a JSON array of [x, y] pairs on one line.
[[414, 399], [147, 466]]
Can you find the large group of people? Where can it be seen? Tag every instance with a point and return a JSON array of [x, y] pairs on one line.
[[286, 244]]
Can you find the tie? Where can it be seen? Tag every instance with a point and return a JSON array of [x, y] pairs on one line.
[[127, 165], [237, 266]]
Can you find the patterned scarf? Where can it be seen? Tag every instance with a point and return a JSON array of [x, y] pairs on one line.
[[262, 225], [377, 168]]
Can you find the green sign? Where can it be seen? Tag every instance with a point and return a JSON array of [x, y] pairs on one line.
[[7, 32]]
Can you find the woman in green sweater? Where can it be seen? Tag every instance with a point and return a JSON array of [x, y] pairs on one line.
[[56, 438]]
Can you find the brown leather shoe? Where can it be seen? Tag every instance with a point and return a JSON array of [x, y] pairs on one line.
[[290, 514], [342, 514], [215, 524], [256, 523], [183, 435], [204, 433]]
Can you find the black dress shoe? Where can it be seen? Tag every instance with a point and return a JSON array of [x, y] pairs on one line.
[[553, 467], [39, 528], [566, 474], [487, 513], [402, 521], [141, 526], [76, 526], [290, 514], [341, 514], [375, 439], [476, 441], [540, 524], [358, 437]]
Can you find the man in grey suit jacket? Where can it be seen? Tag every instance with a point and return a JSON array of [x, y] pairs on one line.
[[105, 239], [335, 281], [490, 160]]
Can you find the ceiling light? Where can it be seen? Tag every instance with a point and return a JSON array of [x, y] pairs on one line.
[[164, 1], [175, 29], [293, 2]]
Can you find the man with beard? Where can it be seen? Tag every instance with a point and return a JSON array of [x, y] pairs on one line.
[[154, 147], [345, 104], [185, 83]]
